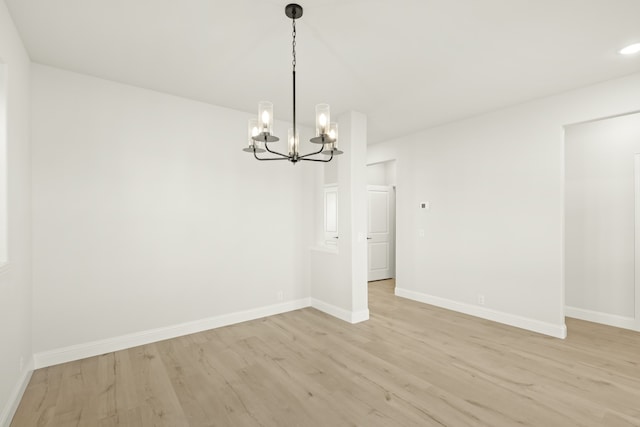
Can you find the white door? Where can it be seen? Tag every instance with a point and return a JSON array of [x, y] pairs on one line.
[[380, 228], [331, 215]]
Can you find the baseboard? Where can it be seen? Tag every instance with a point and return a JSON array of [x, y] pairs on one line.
[[360, 316], [10, 407], [554, 330], [96, 348], [340, 313], [600, 317]]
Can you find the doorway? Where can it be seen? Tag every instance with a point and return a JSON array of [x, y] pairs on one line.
[[381, 227], [602, 219]]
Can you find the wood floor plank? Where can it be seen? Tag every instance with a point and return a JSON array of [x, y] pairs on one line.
[[411, 364]]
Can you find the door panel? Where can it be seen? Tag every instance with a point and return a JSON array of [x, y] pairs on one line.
[[379, 255], [331, 215], [379, 232], [378, 211]]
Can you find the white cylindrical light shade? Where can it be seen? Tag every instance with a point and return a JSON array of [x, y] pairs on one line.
[[333, 135], [294, 141], [252, 130], [323, 119], [265, 116]]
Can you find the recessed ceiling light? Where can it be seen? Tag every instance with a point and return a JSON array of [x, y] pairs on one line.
[[631, 49]]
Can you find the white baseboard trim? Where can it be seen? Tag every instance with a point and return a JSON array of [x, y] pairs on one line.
[[600, 317], [360, 316], [557, 331], [96, 348], [10, 407], [340, 313]]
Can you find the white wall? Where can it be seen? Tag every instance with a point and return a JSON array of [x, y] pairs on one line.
[[495, 228], [330, 171], [376, 174], [147, 214], [600, 204], [339, 277], [390, 171], [15, 277], [3, 164], [382, 173]]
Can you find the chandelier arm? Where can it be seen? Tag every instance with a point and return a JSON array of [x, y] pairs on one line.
[[268, 158], [313, 154], [275, 152], [319, 160]]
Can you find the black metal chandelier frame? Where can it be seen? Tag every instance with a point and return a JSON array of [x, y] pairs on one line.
[[326, 133]]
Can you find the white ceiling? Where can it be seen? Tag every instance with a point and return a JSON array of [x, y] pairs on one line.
[[407, 64]]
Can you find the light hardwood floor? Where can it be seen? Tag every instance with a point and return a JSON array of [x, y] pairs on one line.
[[411, 364]]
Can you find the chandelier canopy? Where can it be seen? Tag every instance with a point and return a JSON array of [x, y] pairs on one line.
[[260, 131]]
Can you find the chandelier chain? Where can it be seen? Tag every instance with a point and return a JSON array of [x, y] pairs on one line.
[[293, 45]]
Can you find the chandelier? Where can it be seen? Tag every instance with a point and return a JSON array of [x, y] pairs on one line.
[[260, 131]]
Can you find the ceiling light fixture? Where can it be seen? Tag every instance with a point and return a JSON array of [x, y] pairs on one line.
[[261, 129], [631, 49]]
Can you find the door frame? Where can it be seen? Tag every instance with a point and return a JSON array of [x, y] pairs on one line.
[[636, 232]]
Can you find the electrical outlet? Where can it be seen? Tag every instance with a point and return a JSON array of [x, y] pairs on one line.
[[480, 299], [421, 233], [280, 295]]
